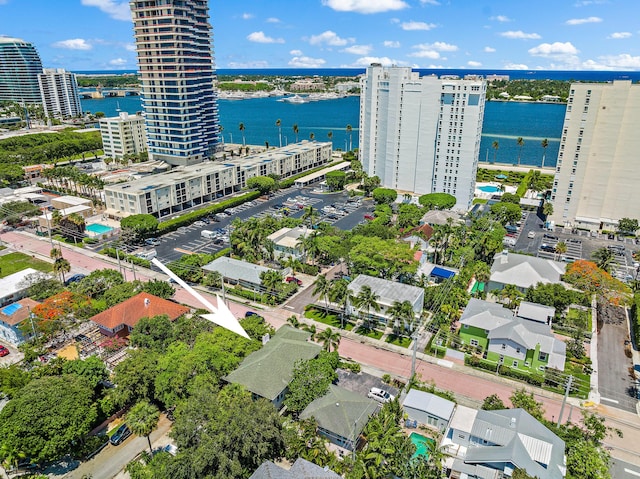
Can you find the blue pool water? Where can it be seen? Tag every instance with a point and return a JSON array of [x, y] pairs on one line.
[[489, 189], [421, 443], [97, 228]]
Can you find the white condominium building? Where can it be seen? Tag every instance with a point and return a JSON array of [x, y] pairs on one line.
[[597, 174], [20, 66], [59, 90], [175, 59], [421, 135], [190, 186], [123, 135]]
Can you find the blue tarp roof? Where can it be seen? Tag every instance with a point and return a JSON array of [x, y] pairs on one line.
[[442, 273]]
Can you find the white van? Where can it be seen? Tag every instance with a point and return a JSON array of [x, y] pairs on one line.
[[207, 234], [148, 255]]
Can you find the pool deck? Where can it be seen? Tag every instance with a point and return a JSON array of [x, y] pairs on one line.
[[486, 195]]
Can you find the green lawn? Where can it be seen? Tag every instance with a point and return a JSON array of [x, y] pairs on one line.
[[479, 201], [14, 262], [331, 319], [370, 333], [401, 341], [578, 318]]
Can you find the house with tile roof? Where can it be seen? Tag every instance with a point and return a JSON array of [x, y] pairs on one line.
[[301, 469], [509, 340], [493, 444], [524, 271], [341, 415], [120, 319], [266, 373], [11, 317]]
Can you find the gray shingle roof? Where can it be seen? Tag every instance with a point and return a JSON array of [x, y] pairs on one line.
[[525, 271], [268, 371], [339, 410], [301, 469], [424, 401], [388, 291], [236, 269], [535, 312]]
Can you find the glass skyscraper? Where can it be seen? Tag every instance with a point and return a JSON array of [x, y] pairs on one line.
[[175, 58], [20, 66]]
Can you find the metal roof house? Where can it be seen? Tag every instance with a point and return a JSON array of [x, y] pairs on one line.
[[301, 469], [341, 415], [536, 312], [428, 409], [236, 271], [267, 372], [286, 241], [492, 444], [14, 287], [524, 271], [388, 292]]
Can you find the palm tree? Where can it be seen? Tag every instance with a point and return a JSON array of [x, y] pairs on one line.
[[329, 339], [495, 145], [142, 419], [322, 288], [330, 135], [544, 144], [293, 263], [310, 214], [366, 300], [547, 209], [61, 266], [349, 130], [512, 294], [604, 258], [293, 321], [241, 128], [561, 248], [279, 125], [271, 280], [296, 130], [220, 130], [55, 253], [312, 136], [520, 142], [340, 295], [401, 313]]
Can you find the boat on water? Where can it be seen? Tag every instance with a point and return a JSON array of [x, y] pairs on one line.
[[294, 99]]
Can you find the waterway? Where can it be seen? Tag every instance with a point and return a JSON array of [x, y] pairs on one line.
[[504, 122]]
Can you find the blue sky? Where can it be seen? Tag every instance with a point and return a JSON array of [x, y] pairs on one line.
[[485, 34]]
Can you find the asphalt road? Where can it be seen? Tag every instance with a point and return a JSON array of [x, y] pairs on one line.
[[614, 382]]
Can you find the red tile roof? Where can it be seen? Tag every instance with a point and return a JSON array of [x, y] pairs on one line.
[[142, 305]]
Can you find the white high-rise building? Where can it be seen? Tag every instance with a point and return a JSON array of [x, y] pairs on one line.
[[59, 91], [123, 135], [175, 60], [421, 135], [20, 66], [597, 176]]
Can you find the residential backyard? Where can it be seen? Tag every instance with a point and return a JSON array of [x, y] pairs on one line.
[[14, 262]]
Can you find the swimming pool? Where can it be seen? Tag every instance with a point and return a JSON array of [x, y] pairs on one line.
[[489, 189], [422, 444], [98, 229]]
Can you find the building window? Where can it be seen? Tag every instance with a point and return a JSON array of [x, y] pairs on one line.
[[474, 342], [504, 346], [517, 350], [515, 364], [542, 356]]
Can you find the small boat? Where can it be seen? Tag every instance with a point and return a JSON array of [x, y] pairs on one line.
[[294, 99]]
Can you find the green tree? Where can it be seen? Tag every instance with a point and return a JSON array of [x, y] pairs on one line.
[[365, 301], [493, 403], [296, 130], [495, 145], [322, 288], [544, 144], [604, 258], [142, 419], [61, 266], [402, 316], [384, 195], [135, 228], [11, 174], [387, 259], [263, 184], [506, 212], [329, 339], [272, 281], [41, 286], [437, 201], [628, 225], [349, 132], [279, 125], [547, 209], [370, 183], [336, 180], [14, 212], [520, 142], [91, 369], [96, 284], [12, 379], [154, 333], [135, 377], [523, 399], [47, 417], [510, 198], [340, 295], [241, 127], [159, 288], [311, 379]]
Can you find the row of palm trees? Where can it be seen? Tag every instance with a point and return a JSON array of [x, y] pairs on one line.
[[336, 291], [520, 142], [296, 131], [71, 178]]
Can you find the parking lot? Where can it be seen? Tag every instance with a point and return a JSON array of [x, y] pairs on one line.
[[333, 208]]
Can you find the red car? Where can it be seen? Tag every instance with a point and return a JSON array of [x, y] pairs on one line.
[[368, 217], [293, 279], [3, 351]]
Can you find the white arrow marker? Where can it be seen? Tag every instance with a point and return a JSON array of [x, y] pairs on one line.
[[221, 315]]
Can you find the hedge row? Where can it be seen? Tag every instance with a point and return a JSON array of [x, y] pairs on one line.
[[524, 184], [145, 263], [309, 269], [635, 318], [188, 218]]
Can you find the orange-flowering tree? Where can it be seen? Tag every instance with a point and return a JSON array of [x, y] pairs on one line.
[[50, 315], [586, 275]]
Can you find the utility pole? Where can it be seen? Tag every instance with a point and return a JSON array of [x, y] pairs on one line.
[[133, 268], [415, 337], [566, 394], [119, 264]]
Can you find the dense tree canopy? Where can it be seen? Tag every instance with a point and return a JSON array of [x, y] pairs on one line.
[[135, 228], [336, 180], [14, 212], [263, 184], [384, 195], [311, 379], [437, 201], [382, 258], [628, 225]]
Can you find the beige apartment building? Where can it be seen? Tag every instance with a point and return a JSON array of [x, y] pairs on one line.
[[597, 179], [189, 186], [123, 135]]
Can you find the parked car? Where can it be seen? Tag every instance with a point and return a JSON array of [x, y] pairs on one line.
[[199, 223], [74, 278], [293, 279], [248, 314], [531, 235], [120, 435], [380, 395], [152, 241], [3, 351], [368, 217]]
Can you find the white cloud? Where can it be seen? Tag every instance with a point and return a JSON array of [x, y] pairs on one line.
[[431, 50], [295, 53], [489, 49], [581, 21], [619, 35], [358, 49], [73, 44], [130, 47], [329, 38], [366, 61], [306, 62], [250, 64], [444, 47], [113, 8], [365, 6], [391, 44], [273, 20], [519, 34], [553, 50], [247, 16], [409, 26], [515, 66], [434, 55], [585, 3], [624, 61], [116, 62], [473, 64], [429, 2], [500, 18], [260, 37]]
